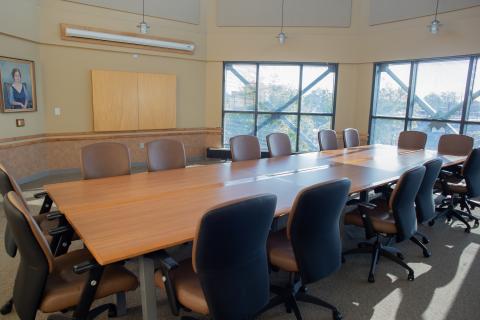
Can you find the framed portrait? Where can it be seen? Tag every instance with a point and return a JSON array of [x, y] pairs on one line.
[[17, 85]]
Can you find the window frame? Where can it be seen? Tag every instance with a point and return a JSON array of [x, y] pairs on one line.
[[473, 64], [298, 113]]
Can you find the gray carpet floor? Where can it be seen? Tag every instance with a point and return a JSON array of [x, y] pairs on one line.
[[447, 285]]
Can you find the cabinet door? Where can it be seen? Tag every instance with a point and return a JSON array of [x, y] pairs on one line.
[[115, 100], [157, 99]]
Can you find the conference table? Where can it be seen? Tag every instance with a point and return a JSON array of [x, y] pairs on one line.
[[132, 216]]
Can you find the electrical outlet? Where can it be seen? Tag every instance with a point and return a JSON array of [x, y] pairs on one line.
[[141, 145], [57, 111]]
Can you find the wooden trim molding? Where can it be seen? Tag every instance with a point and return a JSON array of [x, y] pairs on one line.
[[63, 35]]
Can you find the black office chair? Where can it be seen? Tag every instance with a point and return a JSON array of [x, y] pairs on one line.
[[228, 276], [399, 223], [52, 284], [7, 184], [311, 247], [424, 201], [465, 193]]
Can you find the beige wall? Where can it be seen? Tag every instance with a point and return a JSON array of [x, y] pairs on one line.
[[63, 67]]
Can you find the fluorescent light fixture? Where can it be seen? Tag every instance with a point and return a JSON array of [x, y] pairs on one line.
[[113, 37]]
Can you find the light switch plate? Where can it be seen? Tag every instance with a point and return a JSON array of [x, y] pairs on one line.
[[57, 111]]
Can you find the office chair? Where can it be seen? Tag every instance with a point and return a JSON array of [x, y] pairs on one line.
[[412, 140], [7, 184], [279, 145], [165, 154], [327, 140], [228, 276], [351, 138], [244, 147], [105, 159], [52, 284], [310, 248], [455, 144], [465, 192], [424, 201], [400, 222]]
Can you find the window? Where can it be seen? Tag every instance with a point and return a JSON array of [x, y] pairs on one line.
[[294, 98], [436, 96]]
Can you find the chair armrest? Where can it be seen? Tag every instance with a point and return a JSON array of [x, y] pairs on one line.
[[59, 230], [54, 215], [365, 209], [40, 195], [85, 266], [167, 264]]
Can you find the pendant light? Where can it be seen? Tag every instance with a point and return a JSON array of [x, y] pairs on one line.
[[143, 26], [434, 27], [282, 36]]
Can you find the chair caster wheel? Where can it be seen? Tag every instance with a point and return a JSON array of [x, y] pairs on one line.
[[427, 254], [467, 230], [7, 308], [337, 315], [425, 240], [476, 223], [371, 278], [411, 276], [431, 223], [400, 256]]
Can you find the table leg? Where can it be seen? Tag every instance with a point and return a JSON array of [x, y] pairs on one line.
[[147, 288]]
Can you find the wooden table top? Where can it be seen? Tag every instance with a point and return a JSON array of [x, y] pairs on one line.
[[124, 217]]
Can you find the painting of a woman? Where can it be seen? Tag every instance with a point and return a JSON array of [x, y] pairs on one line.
[[18, 85]]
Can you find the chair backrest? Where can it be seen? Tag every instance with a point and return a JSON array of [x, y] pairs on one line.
[[402, 202], [351, 138], [36, 259], [455, 144], [165, 154], [327, 139], [245, 147], [279, 145], [7, 184], [412, 140], [105, 159], [230, 258], [471, 173], [424, 202], [314, 228]]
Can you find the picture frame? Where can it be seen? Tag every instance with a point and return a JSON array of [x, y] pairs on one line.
[[17, 85]]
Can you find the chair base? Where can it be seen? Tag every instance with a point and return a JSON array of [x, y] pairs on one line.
[[92, 314], [377, 250], [449, 212], [295, 292], [7, 307]]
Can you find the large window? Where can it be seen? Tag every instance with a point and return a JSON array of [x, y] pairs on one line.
[[436, 96], [294, 98]]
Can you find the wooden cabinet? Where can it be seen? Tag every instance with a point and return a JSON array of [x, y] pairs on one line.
[[133, 101]]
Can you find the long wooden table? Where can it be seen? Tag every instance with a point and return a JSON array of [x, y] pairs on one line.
[[128, 217]]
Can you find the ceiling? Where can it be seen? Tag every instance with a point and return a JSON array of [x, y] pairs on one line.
[[299, 13]]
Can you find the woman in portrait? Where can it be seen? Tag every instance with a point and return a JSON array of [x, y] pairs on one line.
[[18, 97]]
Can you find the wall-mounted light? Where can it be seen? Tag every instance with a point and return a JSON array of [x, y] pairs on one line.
[[86, 34], [435, 25]]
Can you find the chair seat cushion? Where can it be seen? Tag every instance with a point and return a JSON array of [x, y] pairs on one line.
[[280, 252], [64, 287], [187, 287], [382, 222]]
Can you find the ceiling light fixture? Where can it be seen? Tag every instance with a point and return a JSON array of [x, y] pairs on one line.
[[282, 36], [143, 26], [434, 27]]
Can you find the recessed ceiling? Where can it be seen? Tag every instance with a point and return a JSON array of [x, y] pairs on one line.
[[298, 13], [384, 11], [179, 10]]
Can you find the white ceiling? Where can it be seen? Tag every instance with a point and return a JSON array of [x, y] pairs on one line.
[[383, 11], [179, 10], [298, 13]]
